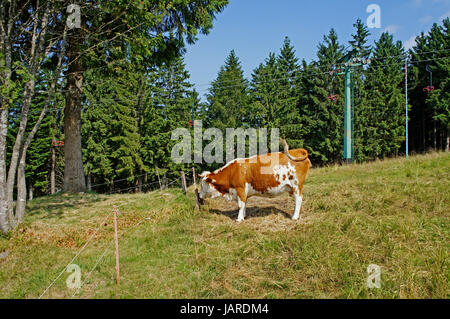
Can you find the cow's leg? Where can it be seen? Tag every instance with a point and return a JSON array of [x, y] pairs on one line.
[[242, 202], [241, 215], [298, 204], [301, 176]]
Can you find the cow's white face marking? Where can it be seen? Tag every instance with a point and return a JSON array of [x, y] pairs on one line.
[[204, 174], [207, 190]]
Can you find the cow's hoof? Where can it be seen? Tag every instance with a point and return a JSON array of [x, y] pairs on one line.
[[239, 220], [294, 218]]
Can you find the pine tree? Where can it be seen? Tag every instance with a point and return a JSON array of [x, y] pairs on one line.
[[228, 98], [360, 110], [264, 93], [384, 98], [417, 80], [360, 39], [437, 101], [310, 113], [167, 106], [429, 112], [95, 132], [230, 105], [287, 93], [325, 133], [110, 132]]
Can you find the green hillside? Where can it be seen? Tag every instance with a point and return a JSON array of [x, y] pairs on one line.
[[394, 214]]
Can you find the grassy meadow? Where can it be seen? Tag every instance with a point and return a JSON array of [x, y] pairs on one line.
[[393, 213]]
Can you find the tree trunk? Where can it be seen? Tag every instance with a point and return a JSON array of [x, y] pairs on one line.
[[164, 181], [17, 149], [5, 50], [89, 181], [30, 193], [159, 180], [38, 52], [140, 183], [21, 192], [74, 180], [21, 181], [183, 182], [4, 227], [52, 173]]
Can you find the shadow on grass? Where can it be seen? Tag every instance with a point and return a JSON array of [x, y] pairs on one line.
[[54, 206], [252, 212]]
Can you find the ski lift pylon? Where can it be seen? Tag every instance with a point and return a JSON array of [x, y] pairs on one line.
[[332, 97]]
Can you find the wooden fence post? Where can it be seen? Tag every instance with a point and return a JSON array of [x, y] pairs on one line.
[[159, 180], [183, 182], [117, 246], [197, 201]]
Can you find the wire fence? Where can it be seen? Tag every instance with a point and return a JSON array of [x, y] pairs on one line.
[[115, 188], [107, 246], [76, 255], [398, 60]]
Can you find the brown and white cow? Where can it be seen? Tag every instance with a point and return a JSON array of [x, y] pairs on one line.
[[261, 175]]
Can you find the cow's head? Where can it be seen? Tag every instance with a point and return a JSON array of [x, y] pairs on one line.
[[207, 189]]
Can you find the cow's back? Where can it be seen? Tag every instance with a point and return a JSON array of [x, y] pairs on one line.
[[258, 170]]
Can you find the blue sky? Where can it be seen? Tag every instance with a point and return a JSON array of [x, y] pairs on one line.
[[253, 28]]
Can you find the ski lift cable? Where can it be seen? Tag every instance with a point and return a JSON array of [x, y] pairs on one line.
[[273, 80]]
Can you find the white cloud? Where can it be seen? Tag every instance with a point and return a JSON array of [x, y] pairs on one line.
[[392, 28], [410, 42]]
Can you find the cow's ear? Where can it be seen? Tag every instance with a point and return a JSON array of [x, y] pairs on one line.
[[204, 174]]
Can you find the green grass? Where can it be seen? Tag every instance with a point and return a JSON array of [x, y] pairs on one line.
[[393, 213]]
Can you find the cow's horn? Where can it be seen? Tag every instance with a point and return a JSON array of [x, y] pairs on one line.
[[286, 152], [204, 174]]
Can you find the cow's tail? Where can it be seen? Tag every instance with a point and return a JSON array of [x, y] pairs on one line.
[[292, 158]]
